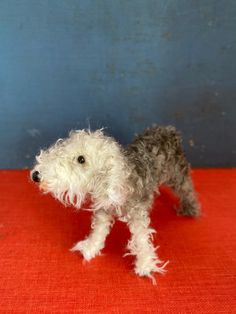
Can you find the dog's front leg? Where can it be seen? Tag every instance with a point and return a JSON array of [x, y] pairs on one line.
[[141, 245], [95, 242]]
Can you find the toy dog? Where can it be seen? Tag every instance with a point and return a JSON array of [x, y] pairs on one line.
[[120, 182]]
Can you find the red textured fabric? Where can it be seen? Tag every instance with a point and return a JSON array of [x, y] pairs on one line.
[[38, 274]]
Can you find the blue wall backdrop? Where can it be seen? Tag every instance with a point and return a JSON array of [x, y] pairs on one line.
[[120, 64]]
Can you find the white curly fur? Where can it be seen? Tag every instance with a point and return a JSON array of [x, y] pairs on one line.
[[71, 182], [106, 177]]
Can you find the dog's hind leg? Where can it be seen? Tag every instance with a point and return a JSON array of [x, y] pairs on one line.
[[183, 186], [95, 242]]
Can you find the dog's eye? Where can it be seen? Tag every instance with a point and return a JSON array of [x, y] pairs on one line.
[[81, 159]]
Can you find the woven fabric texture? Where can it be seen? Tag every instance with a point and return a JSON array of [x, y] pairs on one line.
[[38, 274]]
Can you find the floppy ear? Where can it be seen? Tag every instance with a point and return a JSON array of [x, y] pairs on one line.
[[118, 172], [110, 184]]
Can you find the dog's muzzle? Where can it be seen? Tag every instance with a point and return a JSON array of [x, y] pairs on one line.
[[35, 176]]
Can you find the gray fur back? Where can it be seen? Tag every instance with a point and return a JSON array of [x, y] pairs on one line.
[[156, 156]]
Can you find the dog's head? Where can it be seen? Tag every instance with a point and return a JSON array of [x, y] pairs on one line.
[[85, 163]]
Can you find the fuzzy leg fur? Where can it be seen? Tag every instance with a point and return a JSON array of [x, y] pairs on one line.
[[95, 242], [189, 204], [140, 245]]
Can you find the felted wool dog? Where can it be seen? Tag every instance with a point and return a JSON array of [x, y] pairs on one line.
[[120, 182]]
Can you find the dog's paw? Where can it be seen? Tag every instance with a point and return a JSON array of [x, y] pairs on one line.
[[87, 249], [146, 267], [189, 209]]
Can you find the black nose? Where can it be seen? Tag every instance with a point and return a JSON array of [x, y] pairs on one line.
[[36, 176]]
